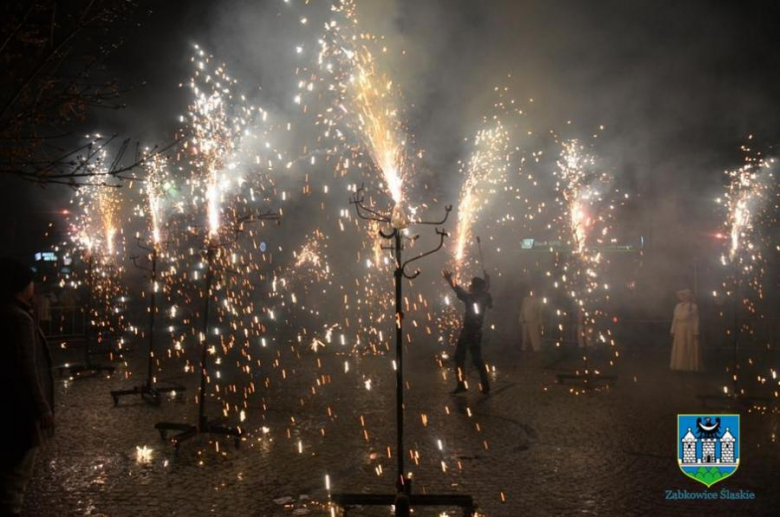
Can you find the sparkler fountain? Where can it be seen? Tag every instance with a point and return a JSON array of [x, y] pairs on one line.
[[577, 193], [746, 199], [215, 138], [205, 424], [403, 499], [149, 390], [88, 368], [103, 201]]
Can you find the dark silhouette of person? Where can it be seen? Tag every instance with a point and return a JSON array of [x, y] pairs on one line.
[[26, 385], [477, 300]]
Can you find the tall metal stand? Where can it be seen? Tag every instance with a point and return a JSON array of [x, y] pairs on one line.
[[88, 368], [150, 390], [205, 425], [585, 375], [403, 499], [736, 397]]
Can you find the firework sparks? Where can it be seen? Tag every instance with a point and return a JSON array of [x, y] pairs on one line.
[[218, 119], [367, 100], [157, 181], [487, 163], [747, 200], [747, 194], [586, 226], [108, 207]]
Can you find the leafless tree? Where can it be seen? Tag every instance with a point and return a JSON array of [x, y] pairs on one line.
[[52, 55]]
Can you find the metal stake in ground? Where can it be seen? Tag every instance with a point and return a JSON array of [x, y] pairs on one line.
[[149, 391], [403, 499]]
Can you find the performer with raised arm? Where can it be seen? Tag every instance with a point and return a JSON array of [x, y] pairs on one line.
[[477, 300]]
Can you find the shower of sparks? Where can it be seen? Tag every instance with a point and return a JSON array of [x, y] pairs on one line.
[[366, 100], [585, 225], [143, 454], [157, 182], [750, 203], [284, 304], [575, 188], [378, 120], [95, 227], [487, 163], [748, 195], [108, 207], [96, 224], [217, 121]]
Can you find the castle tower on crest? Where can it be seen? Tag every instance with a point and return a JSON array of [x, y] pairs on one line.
[[708, 450], [689, 447], [727, 447]]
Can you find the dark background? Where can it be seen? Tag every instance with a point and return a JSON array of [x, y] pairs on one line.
[[678, 86]]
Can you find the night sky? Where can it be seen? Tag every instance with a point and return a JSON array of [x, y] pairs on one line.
[[677, 85]]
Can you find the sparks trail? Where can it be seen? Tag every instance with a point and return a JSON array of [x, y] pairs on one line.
[[750, 206], [584, 221]]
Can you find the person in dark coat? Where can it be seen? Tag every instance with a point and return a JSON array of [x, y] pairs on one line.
[[477, 300], [26, 385]]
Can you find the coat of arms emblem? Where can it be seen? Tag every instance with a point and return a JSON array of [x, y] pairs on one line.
[[708, 446]]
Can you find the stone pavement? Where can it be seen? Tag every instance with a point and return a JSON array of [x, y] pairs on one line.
[[531, 448]]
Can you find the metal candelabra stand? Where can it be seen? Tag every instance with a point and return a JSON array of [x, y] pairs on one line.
[[150, 390], [403, 499], [206, 425], [584, 374], [88, 368], [738, 397]]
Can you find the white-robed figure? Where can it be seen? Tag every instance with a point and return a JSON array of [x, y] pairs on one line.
[[685, 331], [531, 322]]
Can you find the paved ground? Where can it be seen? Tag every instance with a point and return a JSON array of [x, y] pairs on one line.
[[531, 448]]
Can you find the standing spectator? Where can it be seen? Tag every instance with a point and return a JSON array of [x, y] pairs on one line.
[[531, 321], [26, 385], [685, 334], [43, 309]]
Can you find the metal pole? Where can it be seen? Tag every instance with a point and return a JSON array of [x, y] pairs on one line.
[[152, 308], [88, 327], [399, 358], [735, 330], [204, 353], [481, 257]]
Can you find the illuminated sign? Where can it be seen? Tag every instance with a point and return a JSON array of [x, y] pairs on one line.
[[556, 245], [45, 256]]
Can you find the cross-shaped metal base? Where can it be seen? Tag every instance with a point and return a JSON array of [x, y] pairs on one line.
[[149, 394], [404, 502], [187, 431], [85, 370], [728, 401]]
